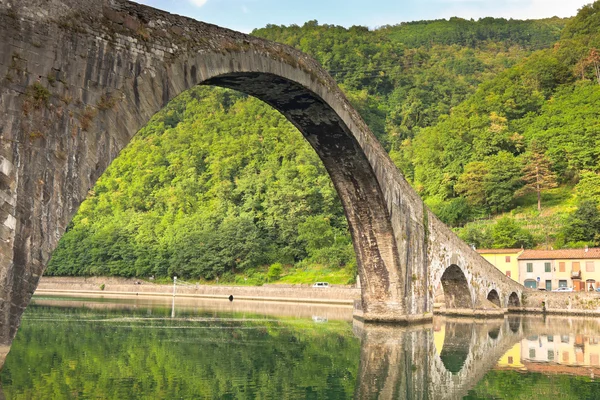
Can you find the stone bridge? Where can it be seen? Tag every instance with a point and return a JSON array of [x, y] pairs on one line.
[[79, 78], [404, 363]]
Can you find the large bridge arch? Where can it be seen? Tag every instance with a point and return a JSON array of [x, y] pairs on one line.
[[70, 111], [348, 167]]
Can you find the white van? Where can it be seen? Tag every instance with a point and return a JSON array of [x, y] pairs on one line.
[[321, 285]]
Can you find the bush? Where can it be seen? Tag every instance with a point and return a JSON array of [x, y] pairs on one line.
[[275, 271]]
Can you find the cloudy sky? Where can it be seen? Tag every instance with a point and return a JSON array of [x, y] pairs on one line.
[[245, 15]]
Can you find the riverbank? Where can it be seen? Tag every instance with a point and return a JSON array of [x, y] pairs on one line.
[[110, 286]]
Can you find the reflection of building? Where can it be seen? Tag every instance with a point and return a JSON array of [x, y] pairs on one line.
[[556, 354], [503, 259], [512, 358], [551, 269]]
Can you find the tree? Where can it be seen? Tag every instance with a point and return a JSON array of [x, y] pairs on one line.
[[537, 173], [588, 187], [275, 271], [478, 236], [593, 60], [502, 180], [508, 234], [583, 225], [471, 183]]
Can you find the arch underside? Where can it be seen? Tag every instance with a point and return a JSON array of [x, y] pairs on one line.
[[456, 289], [513, 300], [494, 298], [348, 167]]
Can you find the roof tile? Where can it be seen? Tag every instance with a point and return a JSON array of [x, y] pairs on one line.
[[593, 252], [499, 251]]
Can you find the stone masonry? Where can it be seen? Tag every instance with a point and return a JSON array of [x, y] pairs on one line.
[[78, 79]]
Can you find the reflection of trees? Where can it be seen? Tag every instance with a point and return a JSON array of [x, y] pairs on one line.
[[120, 357]]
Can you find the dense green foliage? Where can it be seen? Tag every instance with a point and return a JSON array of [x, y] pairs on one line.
[[219, 185], [542, 110], [215, 184]]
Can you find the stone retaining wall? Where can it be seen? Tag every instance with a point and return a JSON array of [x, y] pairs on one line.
[[583, 303], [112, 285]]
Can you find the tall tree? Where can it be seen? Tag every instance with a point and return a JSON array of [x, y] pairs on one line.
[[537, 173]]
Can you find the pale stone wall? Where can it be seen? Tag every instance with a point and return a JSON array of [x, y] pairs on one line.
[[113, 285], [581, 303]]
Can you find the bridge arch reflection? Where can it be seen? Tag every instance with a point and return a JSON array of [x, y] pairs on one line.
[[443, 360]]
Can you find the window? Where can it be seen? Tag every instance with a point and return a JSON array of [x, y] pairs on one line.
[[531, 353], [594, 359], [547, 267], [550, 355], [562, 283], [508, 273], [507, 259], [565, 356], [575, 266], [561, 267], [589, 266], [530, 283], [550, 338], [510, 359], [529, 267], [564, 338]]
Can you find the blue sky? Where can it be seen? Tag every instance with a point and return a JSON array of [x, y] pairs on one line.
[[245, 15]]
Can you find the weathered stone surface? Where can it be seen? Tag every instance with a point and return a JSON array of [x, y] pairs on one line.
[[78, 78]]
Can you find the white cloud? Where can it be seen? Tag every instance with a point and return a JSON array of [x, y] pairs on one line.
[[198, 3]]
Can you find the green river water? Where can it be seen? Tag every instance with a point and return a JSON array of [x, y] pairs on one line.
[[151, 349]]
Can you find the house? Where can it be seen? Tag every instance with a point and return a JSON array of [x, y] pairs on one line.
[[551, 269], [536, 269], [503, 259]]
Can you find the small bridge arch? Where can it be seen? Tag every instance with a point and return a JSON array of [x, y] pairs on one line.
[[494, 298], [457, 292], [513, 300]]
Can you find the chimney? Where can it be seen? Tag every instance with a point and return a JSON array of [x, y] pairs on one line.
[[586, 248]]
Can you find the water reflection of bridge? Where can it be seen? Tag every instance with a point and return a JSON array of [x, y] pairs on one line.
[[440, 361], [446, 359]]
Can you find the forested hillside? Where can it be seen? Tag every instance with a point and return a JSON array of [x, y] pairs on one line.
[[220, 185]]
